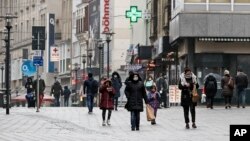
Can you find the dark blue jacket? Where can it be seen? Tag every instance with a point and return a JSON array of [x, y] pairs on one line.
[[90, 87]]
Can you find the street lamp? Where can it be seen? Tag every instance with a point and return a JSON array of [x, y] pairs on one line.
[[83, 62], [108, 40], [90, 56], [100, 47], [2, 68]]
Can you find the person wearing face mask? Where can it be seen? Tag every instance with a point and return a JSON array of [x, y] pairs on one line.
[[149, 82], [154, 99], [117, 84], [135, 93], [186, 85], [30, 95], [106, 103]]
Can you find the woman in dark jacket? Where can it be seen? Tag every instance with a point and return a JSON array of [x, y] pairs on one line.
[[30, 95], [107, 94], [117, 84], [135, 92], [186, 85], [210, 90], [227, 85]]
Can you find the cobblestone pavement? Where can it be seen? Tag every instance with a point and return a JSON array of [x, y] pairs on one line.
[[75, 124]]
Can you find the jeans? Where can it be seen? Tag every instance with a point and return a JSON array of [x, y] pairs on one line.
[[164, 98], [241, 96], [186, 113], [135, 119], [57, 102], [115, 102], [90, 101]]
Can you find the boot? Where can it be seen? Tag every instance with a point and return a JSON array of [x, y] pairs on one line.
[[103, 123], [187, 126], [194, 126]]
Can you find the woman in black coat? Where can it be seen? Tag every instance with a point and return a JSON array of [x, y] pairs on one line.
[[30, 95], [186, 85], [210, 90], [135, 93]]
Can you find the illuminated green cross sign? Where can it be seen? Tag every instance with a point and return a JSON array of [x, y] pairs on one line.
[[133, 14]]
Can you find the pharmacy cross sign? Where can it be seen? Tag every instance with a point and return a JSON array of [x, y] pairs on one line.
[[55, 50], [133, 14]]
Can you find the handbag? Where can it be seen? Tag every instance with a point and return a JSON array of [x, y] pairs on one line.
[[195, 95], [150, 113]]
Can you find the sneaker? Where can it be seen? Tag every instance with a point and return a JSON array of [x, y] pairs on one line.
[[108, 122], [187, 126], [103, 123], [226, 107], [194, 126], [229, 106], [132, 129], [153, 122]]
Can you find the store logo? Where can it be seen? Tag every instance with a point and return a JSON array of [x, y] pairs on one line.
[[105, 18], [239, 132]]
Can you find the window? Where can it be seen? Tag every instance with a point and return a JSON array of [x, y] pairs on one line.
[[220, 1], [242, 1], [194, 1], [33, 21]]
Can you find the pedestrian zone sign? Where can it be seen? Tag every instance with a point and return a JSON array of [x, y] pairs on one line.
[[38, 60]]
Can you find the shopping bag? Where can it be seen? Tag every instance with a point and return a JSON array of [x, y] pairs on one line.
[[195, 95], [150, 113], [203, 98]]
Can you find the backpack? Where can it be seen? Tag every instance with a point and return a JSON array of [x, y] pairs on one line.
[[210, 85]]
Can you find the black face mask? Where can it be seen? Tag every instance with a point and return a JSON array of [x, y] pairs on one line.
[[189, 80]]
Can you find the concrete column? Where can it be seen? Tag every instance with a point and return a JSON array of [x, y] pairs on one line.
[[191, 52]]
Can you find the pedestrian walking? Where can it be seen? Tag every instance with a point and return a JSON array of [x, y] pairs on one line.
[[66, 94], [30, 93], [162, 88], [135, 93], [227, 85], [128, 80], [41, 89], [90, 88], [154, 101], [149, 82], [241, 82], [106, 103], [186, 84], [57, 92], [116, 84], [210, 89]]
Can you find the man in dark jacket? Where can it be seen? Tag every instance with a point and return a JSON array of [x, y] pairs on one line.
[[66, 94], [162, 88], [135, 92], [117, 84], [57, 91], [210, 90], [241, 82], [90, 88], [41, 89]]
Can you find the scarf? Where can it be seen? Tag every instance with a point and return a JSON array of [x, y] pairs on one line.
[[183, 79]]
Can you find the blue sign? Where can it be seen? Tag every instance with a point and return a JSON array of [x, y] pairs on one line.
[[38, 60], [28, 68]]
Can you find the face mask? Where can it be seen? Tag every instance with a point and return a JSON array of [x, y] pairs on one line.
[[188, 76], [149, 79], [135, 78], [115, 76]]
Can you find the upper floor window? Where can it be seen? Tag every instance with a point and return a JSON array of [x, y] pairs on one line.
[[194, 1], [242, 1], [220, 1]]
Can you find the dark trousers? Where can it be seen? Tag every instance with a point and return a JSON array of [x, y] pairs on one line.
[[66, 101], [57, 102], [210, 101], [90, 102], [164, 98], [186, 113], [104, 114], [135, 119], [228, 100], [115, 102]]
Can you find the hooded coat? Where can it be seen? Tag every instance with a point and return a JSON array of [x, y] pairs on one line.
[[106, 101], [227, 90], [57, 89], [135, 93]]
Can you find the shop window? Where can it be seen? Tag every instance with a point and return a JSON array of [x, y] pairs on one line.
[[220, 1], [242, 1], [194, 1]]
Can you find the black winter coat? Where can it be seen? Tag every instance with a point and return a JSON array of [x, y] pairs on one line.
[[57, 89], [210, 92], [135, 92], [186, 95]]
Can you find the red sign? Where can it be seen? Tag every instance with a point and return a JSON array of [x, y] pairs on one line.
[[105, 18]]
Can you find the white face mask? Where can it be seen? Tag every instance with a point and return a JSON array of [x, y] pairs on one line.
[[150, 79], [135, 78], [115, 76]]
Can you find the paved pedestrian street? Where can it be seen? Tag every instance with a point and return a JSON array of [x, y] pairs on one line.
[[75, 124]]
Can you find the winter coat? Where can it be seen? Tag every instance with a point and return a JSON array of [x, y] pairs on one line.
[[117, 84], [106, 101], [227, 90], [154, 99], [241, 81], [161, 84], [90, 87], [57, 89], [66, 92], [186, 92], [210, 92], [135, 92], [29, 87], [42, 86]]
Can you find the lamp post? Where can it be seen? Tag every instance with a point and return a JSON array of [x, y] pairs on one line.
[[100, 47], [2, 68], [108, 40], [76, 69], [90, 56], [83, 62]]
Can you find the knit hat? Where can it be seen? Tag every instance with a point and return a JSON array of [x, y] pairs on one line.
[[226, 72]]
